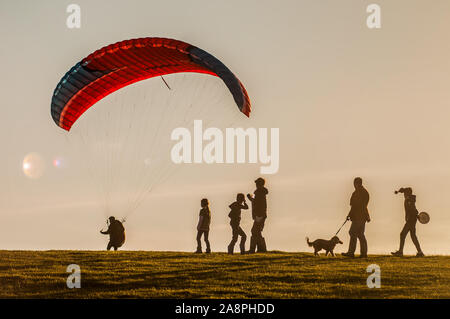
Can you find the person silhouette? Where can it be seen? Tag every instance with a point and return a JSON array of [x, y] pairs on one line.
[[235, 219], [259, 215], [358, 215], [204, 221], [116, 233], [411, 213]]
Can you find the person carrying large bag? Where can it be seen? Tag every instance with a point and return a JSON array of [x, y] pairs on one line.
[[116, 233]]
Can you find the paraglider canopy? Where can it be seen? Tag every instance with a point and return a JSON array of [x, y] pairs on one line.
[[123, 63]]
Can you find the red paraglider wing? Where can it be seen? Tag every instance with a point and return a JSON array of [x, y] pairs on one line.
[[117, 65]]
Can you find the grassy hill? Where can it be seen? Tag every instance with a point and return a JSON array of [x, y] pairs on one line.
[[138, 274]]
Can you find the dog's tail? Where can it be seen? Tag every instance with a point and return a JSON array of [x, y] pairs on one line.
[[308, 242]]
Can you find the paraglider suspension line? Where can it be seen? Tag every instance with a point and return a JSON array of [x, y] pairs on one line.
[[165, 83]]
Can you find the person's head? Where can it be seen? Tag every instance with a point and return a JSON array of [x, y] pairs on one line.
[[357, 182], [260, 182], [111, 219], [240, 198], [204, 202]]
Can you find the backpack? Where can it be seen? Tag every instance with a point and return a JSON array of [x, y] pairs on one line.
[[118, 232]]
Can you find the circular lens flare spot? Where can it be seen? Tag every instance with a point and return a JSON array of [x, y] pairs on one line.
[[33, 165]]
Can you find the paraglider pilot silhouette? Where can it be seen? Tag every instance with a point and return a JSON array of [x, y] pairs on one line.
[[259, 214], [235, 220], [116, 233], [411, 214], [359, 215], [204, 221]]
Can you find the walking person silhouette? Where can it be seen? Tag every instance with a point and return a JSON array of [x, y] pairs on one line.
[[411, 214], [359, 215], [235, 220], [204, 221]]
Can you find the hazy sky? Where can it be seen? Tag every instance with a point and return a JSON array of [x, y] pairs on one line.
[[349, 101]]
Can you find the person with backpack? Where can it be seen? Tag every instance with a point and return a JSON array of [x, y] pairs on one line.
[[235, 220], [116, 233], [203, 226]]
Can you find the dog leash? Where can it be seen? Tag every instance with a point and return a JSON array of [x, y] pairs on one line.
[[341, 227]]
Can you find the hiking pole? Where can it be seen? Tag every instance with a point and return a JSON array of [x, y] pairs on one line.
[[341, 227]]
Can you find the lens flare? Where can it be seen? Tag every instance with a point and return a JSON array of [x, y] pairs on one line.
[[33, 165], [58, 162]]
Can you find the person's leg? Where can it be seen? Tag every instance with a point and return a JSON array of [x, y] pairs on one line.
[[199, 243], [233, 239], [262, 224], [115, 248], [206, 239], [362, 239], [262, 245], [259, 237], [262, 241], [403, 234], [353, 238], [412, 233], [243, 239], [109, 246], [253, 238]]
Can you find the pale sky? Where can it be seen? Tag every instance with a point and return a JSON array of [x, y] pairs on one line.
[[349, 101]]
